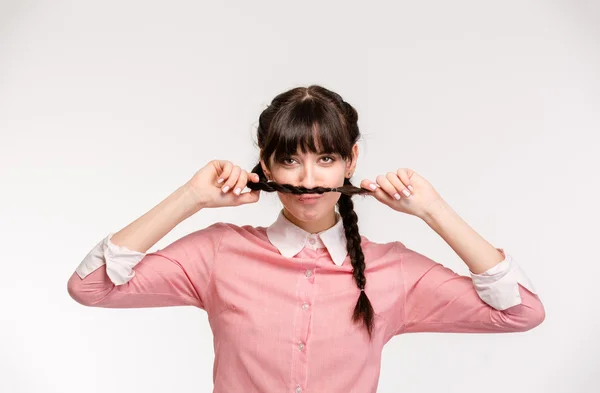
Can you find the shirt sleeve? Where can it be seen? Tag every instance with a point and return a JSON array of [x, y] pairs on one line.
[[177, 275], [498, 286], [436, 299]]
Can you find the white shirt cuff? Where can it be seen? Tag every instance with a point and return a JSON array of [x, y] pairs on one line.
[[499, 286], [119, 261]]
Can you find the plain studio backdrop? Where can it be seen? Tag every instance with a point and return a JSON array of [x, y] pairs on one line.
[[107, 107]]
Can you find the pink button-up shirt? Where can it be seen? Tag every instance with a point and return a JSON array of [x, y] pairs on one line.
[[279, 301]]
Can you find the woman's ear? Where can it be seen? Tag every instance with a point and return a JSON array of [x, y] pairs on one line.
[[351, 164], [265, 170]]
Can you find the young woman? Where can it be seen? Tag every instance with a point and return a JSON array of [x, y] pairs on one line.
[[307, 303]]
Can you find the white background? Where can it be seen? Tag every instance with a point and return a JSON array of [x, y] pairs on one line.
[[107, 107]]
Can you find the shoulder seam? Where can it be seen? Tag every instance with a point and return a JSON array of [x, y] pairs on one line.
[[403, 294], [214, 262]]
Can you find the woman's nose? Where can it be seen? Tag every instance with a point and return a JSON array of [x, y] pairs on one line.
[[308, 178]]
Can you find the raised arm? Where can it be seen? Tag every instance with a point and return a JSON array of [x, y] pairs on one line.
[[118, 273], [436, 299]]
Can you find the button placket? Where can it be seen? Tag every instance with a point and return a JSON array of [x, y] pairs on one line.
[[305, 296]]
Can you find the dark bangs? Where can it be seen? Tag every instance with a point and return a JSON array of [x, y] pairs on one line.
[[308, 125]]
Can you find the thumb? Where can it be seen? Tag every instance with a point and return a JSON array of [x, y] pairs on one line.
[[249, 197], [382, 196]]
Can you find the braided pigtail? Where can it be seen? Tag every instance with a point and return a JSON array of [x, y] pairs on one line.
[[363, 309]]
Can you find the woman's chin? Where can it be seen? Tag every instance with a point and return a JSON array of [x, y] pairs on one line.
[[309, 213]]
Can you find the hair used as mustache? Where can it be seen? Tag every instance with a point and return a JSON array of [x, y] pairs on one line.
[[271, 186]]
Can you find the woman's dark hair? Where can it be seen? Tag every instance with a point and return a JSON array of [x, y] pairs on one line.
[[318, 120]]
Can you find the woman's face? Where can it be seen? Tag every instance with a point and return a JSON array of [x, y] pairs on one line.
[[311, 170]]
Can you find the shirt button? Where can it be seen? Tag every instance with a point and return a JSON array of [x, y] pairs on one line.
[[298, 389], [308, 273], [300, 346], [305, 306], [311, 240]]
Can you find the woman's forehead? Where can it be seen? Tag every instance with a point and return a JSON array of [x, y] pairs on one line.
[[299, 153]]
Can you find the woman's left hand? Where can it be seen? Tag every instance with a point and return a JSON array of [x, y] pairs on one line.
[[422, 194]]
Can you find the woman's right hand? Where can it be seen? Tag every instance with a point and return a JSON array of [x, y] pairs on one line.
[[206, 192]]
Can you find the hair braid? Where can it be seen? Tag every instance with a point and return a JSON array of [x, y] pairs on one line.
[[363, 308]]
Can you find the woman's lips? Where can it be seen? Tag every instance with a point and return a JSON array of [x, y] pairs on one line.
[[309, 198]]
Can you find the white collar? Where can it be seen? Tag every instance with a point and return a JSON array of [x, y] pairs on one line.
[[290, 239]]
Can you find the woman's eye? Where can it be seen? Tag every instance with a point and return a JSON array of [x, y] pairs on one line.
[[290, 161]]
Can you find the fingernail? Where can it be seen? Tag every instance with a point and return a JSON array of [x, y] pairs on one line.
[[397, 196], [410, 187], [220, 181], [372, 186], [406, 192], [237, 191], [224, 189]]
